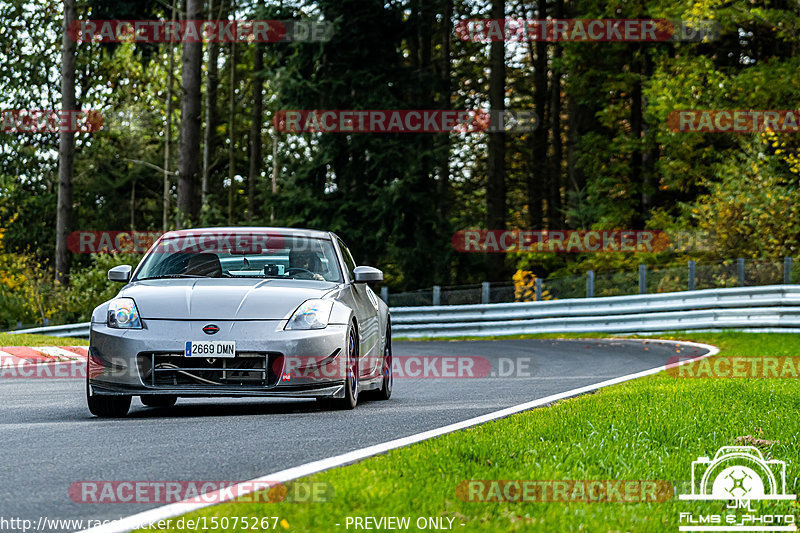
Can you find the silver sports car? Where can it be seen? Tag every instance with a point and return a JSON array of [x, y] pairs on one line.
[[241, 312]]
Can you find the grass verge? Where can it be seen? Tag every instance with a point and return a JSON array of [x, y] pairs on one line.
[[648, 429], [27, 339]]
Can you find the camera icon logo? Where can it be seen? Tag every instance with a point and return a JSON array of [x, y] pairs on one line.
[[738, 473]]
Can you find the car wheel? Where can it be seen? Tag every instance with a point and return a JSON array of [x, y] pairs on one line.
[[159, 401], [385, 392], [108, 406], [351, 387]]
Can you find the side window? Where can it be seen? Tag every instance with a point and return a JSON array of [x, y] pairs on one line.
[[348, 259]]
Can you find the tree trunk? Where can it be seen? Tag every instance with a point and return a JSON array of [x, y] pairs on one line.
[[188, 161], [554, 202], [255, 131], [413, 37], [650, 150], [274, 176], [496, 186], [209, 135], [539, 179], [427, 17], [132, 205], [66, 146], [446, 88], [232, 132], [636, 134], [168, 132], [581, 120]]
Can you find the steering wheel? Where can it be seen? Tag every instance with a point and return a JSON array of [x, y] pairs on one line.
[[301, 270]]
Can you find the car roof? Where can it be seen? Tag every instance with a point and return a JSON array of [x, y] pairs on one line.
[[296, 232]]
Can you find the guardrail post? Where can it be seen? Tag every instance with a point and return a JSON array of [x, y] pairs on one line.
[[437, 295], [642, 279], [692, 275], [590, 284], [787, 270], [385, 294], [485, 288], [538, 288], [740, 270]]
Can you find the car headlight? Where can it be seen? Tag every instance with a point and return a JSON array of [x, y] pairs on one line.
[[312, 314], [122, 314]]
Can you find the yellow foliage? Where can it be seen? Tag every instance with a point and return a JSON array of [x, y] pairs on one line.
[[525, 287]]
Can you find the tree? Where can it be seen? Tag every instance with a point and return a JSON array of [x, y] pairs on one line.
[[188, 161], [255, 131], [496, 186], [554, 201], [168, 132], [539, 178], [256, 125], [445, 103], [232, 130], [66, 148], [212, 117]]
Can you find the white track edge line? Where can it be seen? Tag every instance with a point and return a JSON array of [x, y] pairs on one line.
[[145, 518]]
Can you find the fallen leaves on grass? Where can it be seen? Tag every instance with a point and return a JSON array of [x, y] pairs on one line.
[[752, 441]]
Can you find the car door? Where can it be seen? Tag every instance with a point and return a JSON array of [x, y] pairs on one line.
[[366, 309]]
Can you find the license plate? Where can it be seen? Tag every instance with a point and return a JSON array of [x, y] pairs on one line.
[[216, 349]]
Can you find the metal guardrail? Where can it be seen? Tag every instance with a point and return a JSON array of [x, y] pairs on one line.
[[79, 331], [769, 308], [775, 307], [708, 275]]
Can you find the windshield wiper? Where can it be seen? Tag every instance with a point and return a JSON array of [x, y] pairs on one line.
[[256, 276], [166, 276]]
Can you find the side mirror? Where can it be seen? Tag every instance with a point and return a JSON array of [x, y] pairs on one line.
[[121, 273], [365, 274]]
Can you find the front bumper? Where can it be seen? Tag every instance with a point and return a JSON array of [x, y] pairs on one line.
[[269, 361]]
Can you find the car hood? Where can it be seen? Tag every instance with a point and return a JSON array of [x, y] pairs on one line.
[[222, 299]]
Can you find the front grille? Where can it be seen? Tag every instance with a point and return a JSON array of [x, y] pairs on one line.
[[247, 369]]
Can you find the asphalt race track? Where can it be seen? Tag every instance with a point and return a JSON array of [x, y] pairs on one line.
[[48, 439]]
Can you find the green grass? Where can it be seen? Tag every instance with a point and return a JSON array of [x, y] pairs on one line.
[[507, 337], [648, 429], [26, 339]]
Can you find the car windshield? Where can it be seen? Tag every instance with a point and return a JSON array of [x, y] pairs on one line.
[[241, 255]]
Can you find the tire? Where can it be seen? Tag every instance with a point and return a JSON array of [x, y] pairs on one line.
[[108, 406], [159, 401], [351, 388], [385, 392]]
